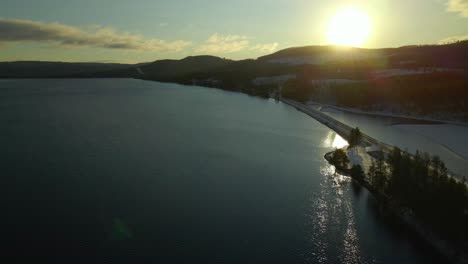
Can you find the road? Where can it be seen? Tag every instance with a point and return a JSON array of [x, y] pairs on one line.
[[344, 131]]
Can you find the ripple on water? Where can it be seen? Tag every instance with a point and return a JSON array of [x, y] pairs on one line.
[[331, 224]]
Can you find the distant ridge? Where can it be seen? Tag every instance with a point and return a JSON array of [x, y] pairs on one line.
[[50, 69], [453, 55]]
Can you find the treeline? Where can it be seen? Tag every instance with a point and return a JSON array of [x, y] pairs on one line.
[[417, 94], [218, 73], [422, 93], [421, 183]]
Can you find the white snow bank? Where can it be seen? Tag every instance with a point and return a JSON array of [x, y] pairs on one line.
[[403, 72]]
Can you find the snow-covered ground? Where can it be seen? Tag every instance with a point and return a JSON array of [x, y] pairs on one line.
[[358, 156], [385, 113], [455, 138], [273, 79], [449, 142], [402, 72]]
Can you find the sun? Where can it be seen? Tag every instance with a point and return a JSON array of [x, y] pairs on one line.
[[349, 27]]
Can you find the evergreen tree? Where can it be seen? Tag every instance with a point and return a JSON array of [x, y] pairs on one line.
[[354, 137], [340, 159], [380, 176], [357, 172]]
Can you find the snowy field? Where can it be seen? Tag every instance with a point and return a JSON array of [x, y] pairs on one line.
[[449, 142], [455, 138], [402, 72]]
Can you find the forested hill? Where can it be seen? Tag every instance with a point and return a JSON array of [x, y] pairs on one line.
[[453, 55], [185, 68], [415, 80], [46, 69]]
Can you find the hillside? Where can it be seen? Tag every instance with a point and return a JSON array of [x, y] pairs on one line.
[[412, 80], [177, 69], [45, 69]]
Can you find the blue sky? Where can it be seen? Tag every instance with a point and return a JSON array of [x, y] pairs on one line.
[[144, 30]]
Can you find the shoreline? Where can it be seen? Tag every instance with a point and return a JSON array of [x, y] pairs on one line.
[[388, 115], [338, 127], [406, 217]]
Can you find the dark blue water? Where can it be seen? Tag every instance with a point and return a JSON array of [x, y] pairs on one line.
[[129, 171]]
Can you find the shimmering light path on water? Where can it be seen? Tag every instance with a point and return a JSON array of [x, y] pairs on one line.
[[130, 171]]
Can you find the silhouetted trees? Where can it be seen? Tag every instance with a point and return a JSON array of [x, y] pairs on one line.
[[357, 172], [354, 137], [378, 172], [417, 94], [339, 159], [421, 182]]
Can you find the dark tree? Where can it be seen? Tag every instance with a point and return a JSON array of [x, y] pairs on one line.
[[357, 172], [354, 137], [340, 159], [380, 175]]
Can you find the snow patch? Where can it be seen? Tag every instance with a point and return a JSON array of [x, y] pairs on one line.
[[273, 79], [403, 72], [358, 156]]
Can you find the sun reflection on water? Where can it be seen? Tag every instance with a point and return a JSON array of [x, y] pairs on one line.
[[333, 140], [333, 235]]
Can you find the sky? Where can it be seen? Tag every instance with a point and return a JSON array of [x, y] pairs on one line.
[[131, 31]]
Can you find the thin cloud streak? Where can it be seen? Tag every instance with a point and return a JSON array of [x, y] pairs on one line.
[[224, 44], [18, 30], [265, 48], [453, 39], [458, 6], [217, 44]]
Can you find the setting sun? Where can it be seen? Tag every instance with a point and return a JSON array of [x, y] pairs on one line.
[[349, 27]]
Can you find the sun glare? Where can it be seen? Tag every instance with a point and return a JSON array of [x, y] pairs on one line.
[[349, 27]]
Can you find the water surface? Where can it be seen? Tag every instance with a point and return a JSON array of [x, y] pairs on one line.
[[130, 171]]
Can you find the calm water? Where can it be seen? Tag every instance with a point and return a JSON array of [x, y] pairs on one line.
[[132, 171]]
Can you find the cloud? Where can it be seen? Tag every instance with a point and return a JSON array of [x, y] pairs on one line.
[[265, 48], [453, 39], [215, 38], [458, 6], [17, 30], [223, 44]]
